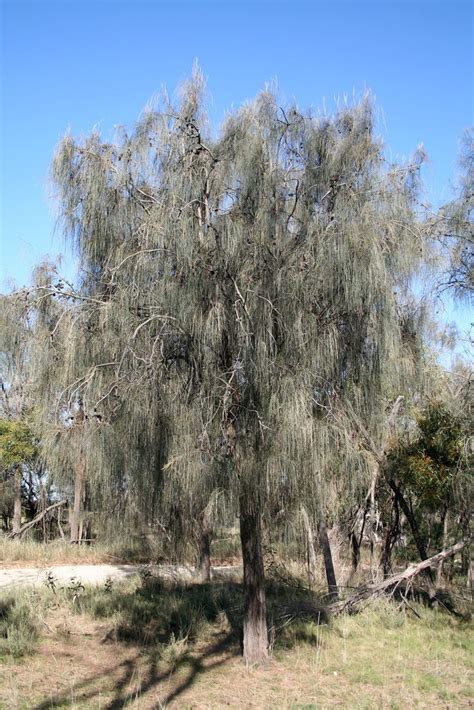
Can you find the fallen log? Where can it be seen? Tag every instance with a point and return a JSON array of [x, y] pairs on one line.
[[372, 591], [38, 518]]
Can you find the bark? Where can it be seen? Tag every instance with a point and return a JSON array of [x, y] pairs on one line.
[[16, 521], [439, 571], [328, 562], [355, 552], [373, 484], [204, 556], [391, 534], [60, 528], [311, 553], [30, 501], [466, 561], [371, 591], [77, 505], [255, 632]]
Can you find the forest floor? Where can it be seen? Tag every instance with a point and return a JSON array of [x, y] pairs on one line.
[[15, 576], [143, 645]]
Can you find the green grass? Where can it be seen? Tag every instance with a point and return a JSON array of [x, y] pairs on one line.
[[19, 624]]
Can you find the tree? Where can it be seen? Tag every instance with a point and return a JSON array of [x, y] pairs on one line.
[[230, 287], [18, 445], [431, 472], [18, 449], [452, 226]]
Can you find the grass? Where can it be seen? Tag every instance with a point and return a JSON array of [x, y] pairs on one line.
[[146, 644], [19, 628], [134, 549], [33, 553]]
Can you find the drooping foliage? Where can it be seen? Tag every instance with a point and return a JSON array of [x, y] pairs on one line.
[[231, 289], [229, 285], [453, 226]]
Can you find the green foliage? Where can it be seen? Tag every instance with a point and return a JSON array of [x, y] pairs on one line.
[[18, 444], [427, 466]]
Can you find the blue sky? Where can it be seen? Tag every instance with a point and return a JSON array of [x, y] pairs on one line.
[[74, 65]]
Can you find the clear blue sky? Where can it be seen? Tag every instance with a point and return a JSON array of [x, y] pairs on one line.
[[73, 65]]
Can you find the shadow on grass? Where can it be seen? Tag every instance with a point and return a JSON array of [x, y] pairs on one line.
[[182, 630]]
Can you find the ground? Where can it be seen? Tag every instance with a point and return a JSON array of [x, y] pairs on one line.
[[384, 657], [15, 576]]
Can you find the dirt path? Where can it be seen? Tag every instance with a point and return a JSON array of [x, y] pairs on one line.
[[98, 574]]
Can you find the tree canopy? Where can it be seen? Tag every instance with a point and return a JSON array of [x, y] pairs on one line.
[[240, 296]]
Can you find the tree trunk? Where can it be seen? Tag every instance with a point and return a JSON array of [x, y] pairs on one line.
[[439, 570], [77, 505], [61, 531], [419, 542], [373, 570], [204, 556], [311, 553], [255, 633], [328, 563], [391, 534], [16, 521]]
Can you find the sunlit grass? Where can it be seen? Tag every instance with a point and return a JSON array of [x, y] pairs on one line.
[[385, 656]]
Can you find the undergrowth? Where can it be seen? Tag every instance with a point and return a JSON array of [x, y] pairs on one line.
[[19, 626], [390, 654]]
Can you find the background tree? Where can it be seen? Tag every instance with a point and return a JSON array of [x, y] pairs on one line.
[[453, 227], [18, 451], [18, 445]]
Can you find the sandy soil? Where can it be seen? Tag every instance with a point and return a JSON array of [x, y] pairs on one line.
[[98, 574]]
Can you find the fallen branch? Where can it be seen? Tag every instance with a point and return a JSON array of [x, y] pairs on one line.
[[37, 519], [372, 591]]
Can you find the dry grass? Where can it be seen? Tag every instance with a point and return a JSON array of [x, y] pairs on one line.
[[149, 647], [133, 549], [29, 553]]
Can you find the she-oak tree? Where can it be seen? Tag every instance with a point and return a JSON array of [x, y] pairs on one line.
[[228, 288]]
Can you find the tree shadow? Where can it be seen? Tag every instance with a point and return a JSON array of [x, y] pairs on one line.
[[205, 619]]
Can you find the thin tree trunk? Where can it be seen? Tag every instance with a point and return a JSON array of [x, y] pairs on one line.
[[255, 632], [204, 555], [60, 528], [355, 552], [373, 484], [356, 540], [402, 502], [328, 563], [311, 553], [77, 505], [466, 559], [439, 570], [16, 521], [391, 535], [30, 500]]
